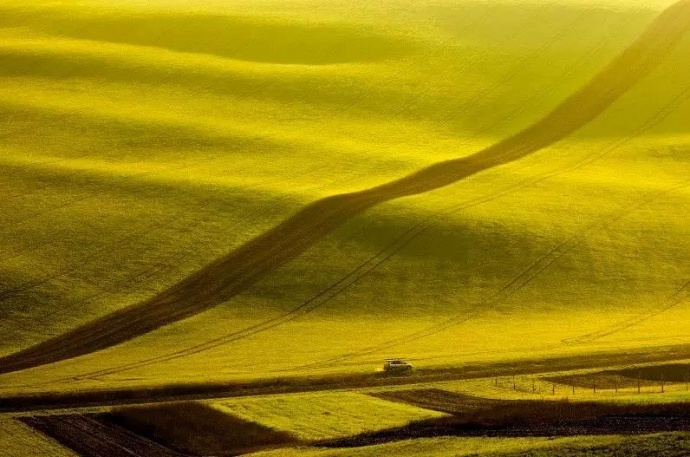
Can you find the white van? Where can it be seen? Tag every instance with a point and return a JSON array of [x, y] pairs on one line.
[[396, 366]]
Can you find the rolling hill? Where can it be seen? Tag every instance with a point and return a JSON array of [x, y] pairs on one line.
[[143, 166]]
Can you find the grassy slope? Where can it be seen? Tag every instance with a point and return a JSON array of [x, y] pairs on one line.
[[196, 429], [145, 192], [228, 276], [324, 415], [521, 388], [19, 440]]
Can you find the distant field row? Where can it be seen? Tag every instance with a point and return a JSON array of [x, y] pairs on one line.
[[294, 422]]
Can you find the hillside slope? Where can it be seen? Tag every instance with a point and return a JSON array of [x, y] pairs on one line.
[[152, 220]]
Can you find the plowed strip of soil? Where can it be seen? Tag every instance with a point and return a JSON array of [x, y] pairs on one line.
[[440, 400], [229, 275], [170, 430], [536, 418], [646, 376], [91, 438], [197, 429]]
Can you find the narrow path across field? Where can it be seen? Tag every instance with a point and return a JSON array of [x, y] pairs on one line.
[[229, 275]]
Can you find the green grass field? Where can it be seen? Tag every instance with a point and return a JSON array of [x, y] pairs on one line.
[[141, 141], [324, 415], [136, 158], [539, 388]]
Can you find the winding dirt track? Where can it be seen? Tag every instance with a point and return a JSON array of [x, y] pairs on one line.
[[229, 275]]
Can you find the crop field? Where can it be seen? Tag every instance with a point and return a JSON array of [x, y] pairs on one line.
[[19, 440], [202, 193], [133, 213], [321, 416], [590, 386], [168, 430], [405, 421]]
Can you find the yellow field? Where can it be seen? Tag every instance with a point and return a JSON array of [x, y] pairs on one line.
[[19, 440], [521, 388], [144, 145], [133, 159], [324, 415]]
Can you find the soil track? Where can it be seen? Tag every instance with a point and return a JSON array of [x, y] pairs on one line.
[[90, 437], [528, 418], [192, 428], [229, 275], [644, 376], [40, 401]]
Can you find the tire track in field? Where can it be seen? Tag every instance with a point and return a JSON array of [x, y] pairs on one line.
[[679, 296], [506, 291], [229, 275], [351, 278], [518, 282], [26, 287], [90, 437], [420, 228], [322, 298]]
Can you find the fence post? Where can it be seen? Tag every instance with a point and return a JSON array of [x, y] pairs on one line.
[[534, 388], [662, 383], [639, 376], [553, 389]]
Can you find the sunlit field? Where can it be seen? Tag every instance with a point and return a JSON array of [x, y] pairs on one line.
[[19, 440], [322, 416], [142, 141]]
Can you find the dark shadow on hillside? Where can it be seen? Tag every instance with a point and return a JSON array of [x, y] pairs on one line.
[[197, 429], [169, 430], [278, 40], [645, 376]]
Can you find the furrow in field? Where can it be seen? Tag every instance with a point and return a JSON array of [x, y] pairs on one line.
[[90, 437], [518, 282], [522, 279], [679, 296], [227, 276]]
